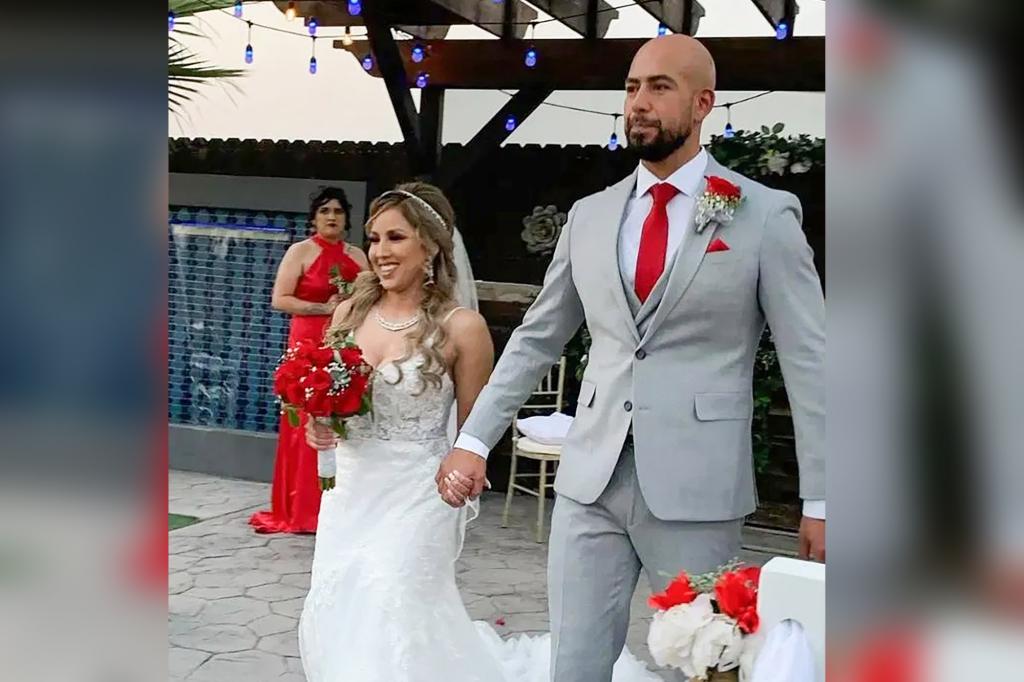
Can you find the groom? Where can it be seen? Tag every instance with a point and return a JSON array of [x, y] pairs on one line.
[[656, 472]]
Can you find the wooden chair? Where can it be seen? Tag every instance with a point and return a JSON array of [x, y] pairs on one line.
[[548, 398]]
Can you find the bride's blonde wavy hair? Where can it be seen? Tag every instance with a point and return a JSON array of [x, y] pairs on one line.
[[439, 295]]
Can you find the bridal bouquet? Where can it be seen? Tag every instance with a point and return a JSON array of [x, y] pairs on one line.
[[329, 383], [706, 625]]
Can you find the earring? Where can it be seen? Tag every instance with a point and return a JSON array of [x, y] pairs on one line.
[[428, 269]]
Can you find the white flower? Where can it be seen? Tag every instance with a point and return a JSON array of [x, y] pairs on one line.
[[799, 167], [718, 644], [693, 638], [777, 162]]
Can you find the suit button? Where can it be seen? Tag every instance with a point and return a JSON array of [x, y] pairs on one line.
[[641, 354], [628, 406]]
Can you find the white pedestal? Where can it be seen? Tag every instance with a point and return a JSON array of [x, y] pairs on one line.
[[790, 588]]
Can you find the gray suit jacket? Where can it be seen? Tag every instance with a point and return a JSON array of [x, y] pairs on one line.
[[679, 370]]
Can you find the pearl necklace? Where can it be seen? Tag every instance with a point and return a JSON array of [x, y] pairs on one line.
[[395, 326]]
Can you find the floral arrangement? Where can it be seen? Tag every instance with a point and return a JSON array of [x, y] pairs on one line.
[[328, 383], [707, 624]]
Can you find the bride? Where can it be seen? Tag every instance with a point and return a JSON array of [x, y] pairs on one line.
[[383, 605]]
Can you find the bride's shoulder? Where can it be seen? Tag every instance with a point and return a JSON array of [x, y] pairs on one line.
[[461, 323]]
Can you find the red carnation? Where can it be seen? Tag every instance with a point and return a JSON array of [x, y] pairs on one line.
[[736, 595], [723, 187], [679, 591]]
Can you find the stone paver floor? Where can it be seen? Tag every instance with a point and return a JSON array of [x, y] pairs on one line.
[[235, 596]]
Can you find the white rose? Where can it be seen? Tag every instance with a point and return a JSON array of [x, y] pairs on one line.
[[717, 644], [670, 638], [799, 167], [775, 161]]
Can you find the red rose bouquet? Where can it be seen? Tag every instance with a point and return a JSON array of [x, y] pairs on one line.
[[329, 383]]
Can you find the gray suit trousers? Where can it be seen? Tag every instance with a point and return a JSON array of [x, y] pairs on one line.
[[595, 555]]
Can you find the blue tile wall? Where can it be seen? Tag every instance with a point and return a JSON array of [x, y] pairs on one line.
[[224, 338]]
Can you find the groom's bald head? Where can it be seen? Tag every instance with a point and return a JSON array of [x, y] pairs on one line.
[[670, 90]]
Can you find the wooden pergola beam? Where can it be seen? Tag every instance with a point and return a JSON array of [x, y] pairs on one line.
[[777, 11], [490, 137], [680, 16], [389, 61], [588, 18], [797, 64]]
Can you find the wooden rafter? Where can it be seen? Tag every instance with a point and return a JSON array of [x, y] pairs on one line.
[[490, 137], [776, 11], [797, 64], [680, 16]]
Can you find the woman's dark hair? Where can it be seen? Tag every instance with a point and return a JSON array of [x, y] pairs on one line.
[[324, 195]]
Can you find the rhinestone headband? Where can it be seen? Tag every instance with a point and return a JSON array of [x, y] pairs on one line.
[[422, 202]]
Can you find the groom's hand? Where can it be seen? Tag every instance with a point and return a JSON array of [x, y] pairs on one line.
[[461, 476], [812, 539]]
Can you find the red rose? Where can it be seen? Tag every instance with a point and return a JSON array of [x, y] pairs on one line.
[[322, 357], [679, 591], [349, 270], [295, 394], [319, 380], [304, 348], [348, 403], [723, 187], [736, 594], [319, 404], [352, 357]]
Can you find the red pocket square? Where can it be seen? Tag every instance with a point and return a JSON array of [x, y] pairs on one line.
[[717, 245]]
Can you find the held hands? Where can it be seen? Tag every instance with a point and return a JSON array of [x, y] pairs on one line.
[[461, 476]]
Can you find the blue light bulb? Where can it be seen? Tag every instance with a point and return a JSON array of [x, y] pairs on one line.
[[312, 64], [312, 26], [510, 123], [367, 62], [417, 53], [531, 57], [781, 31], [170, 21], [421, 80], [238, 8], [729, 132], [613, 142], [662, 29], [248, 54], [355, 7]]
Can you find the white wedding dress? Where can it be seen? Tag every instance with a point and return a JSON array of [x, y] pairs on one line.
[[383, 605]]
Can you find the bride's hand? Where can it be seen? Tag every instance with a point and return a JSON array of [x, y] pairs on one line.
[[320, 436]]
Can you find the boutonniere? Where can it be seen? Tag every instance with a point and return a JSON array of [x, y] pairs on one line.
[[717, 203]]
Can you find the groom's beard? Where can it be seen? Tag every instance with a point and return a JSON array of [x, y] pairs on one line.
[[659, 148]]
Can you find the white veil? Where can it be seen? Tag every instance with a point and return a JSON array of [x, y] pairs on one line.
[[466, 297]]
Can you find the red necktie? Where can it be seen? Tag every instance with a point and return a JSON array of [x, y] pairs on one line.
[[650, 262]]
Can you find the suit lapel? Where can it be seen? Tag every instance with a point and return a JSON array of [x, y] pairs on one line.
[[687, 260], [613, 213]]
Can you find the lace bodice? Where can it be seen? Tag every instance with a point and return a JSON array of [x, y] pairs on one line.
[[406, 406]]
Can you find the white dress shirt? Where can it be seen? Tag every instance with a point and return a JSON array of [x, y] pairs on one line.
[[687, 179]]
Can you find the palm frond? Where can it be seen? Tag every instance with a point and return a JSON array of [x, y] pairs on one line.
[[185, 69], [186, 8]]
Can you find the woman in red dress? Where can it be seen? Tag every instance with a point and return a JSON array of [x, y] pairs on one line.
[[303, 289]]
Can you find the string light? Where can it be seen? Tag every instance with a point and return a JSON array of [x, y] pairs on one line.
[[613, 140], [346, 39], [355, 7], [290, 12], [662, 29], [312, 26], [312, 58], [248, 46], [781, 31], [238, 8], [170, 21], [422, 79], [530, 58], [510, 123], [418, 53], [729, 132], [367, 62]]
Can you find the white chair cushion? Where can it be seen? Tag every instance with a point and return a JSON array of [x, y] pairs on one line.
[[529, 445], [548, 429]]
